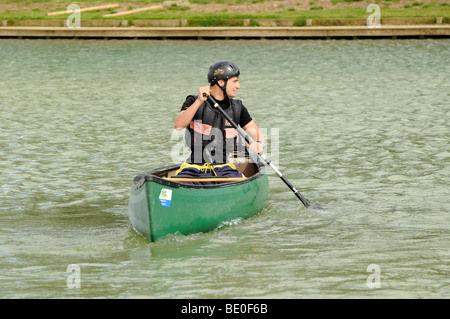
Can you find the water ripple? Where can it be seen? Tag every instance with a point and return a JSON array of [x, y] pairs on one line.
[[363, 130]]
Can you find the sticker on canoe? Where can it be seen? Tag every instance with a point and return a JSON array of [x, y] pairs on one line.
[[165, 197]]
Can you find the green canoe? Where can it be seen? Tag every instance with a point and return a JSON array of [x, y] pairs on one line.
[[161, 205]]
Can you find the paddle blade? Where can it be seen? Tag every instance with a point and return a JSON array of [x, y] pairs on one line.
[[315, 206]]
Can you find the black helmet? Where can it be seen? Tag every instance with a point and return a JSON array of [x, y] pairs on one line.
[[222, 70]]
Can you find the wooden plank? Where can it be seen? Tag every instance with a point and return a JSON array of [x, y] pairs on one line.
[[159, 6], [107, 6]]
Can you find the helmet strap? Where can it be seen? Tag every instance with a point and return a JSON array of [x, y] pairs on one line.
[[224, 88]]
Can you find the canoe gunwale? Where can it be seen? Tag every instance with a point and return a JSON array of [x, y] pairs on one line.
[[152, 176]]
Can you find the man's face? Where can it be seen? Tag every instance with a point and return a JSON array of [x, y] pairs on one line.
[[232, 86]]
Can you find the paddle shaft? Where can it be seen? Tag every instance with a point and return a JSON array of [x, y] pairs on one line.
[[249, 140]]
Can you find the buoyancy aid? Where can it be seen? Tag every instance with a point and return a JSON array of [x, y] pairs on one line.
[[209, 136]]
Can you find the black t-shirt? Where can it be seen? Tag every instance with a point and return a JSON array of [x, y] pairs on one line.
[[224, 104]]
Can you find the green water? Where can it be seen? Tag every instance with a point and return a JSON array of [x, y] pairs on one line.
[[363, 130]]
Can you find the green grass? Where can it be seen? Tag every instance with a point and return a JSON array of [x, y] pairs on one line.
[[78, 2], [340, 1], [415, 9]]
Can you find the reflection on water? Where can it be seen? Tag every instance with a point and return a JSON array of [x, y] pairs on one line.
[[363, 130]]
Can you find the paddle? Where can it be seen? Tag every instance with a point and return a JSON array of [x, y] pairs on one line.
[[249, 140]]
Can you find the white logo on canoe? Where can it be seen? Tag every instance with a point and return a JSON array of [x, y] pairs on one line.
[[165, 197]]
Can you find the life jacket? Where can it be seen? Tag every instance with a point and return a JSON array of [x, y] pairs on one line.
[[209, 136]]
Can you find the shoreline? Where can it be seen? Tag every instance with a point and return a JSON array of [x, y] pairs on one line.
[[199, 33], [255, 22]]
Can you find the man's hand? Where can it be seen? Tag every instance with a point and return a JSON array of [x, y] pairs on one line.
[[203, 90], [257, 147]]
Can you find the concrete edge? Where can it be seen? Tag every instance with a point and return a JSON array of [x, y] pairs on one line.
[[417, 31]]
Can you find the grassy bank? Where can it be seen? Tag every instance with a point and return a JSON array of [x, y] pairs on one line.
[[215, 12]]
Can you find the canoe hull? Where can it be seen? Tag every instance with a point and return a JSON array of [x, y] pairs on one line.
[[157, 209]]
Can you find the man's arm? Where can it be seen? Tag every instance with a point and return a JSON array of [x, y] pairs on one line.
[[185, 117], [258, 137]]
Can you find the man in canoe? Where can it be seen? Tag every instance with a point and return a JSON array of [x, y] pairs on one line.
[[209, 136]]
